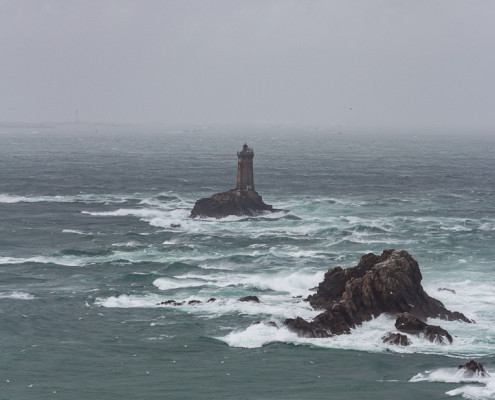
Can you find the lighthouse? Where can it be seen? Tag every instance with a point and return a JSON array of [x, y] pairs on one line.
[[243, 200], [245, 177]]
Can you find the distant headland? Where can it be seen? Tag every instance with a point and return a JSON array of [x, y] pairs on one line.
[[243, 200]]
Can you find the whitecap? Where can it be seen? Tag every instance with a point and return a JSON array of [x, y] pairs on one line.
[[295, 283], [128, 301], [75, 231], [17, 296], [273, 306], [258, 335], [448, 375], [485, 388], [83, 198], [177, 283], [67, 261], [475, 392]]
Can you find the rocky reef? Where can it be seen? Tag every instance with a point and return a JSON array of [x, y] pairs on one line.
[[473, 369], [232, 202], [387, 283]]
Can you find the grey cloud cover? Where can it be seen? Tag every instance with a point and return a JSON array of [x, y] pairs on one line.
[[395, 63]]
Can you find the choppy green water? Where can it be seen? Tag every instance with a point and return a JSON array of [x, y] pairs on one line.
[[88, 250]]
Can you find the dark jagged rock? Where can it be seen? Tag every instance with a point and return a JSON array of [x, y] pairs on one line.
[[473, 368], [410, 324], [253, 299], [397, 339], [389, 283], [211, 300], [194, 302], [168, 302], [171, 303], [305, 329], [232, 202]]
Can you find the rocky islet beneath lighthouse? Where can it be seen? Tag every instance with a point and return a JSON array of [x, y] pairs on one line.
[[243, 200]]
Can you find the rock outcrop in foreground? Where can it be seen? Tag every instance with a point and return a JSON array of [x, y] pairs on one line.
[[232, 202], [389, 283]]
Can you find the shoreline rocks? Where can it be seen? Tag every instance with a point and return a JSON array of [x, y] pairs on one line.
[[388, 283]]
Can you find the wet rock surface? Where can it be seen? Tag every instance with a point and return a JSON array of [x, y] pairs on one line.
[[473, 368], [410, 324], [232, 202], [386, 283], [253, 299], [305, 329], [397, 339]]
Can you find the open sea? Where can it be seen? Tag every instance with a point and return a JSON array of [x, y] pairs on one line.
[[94, 234]]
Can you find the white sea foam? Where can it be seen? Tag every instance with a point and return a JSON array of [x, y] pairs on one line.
[[76, 232], [69, 261], [131, 243], [128, 301], [258, 335], [6, 198], [157, 217], [124, 212], [296, 283], [174, 283], [367, 338], [273, 306], [83, 198], [449, 375], [16, 296], [487, 226], [484, 389], [475, 392]]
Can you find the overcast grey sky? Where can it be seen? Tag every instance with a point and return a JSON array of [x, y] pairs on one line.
[[395, 63]]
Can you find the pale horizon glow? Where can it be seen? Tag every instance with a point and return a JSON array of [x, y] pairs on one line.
[[351, 63]]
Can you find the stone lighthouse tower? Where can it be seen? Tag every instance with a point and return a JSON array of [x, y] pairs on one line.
[[245, 177], [243, 200]]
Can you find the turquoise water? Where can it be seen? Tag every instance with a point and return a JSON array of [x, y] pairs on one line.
[[95, 235]]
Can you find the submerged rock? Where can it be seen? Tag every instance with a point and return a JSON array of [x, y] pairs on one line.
[[473, 368], [267, 323], [253, 299], [396, 338], [410, 324], [167, 303], [389, 283]]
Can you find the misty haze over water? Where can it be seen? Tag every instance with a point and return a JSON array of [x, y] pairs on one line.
[[398, 64], [372, 122]]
